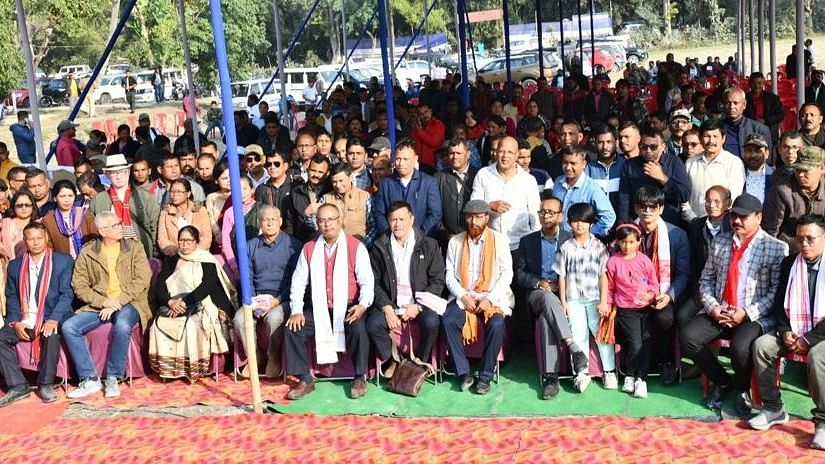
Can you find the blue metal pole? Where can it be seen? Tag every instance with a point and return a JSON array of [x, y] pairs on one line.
[[99, 66], [415, 34], [354, 47], [231, 150], [292, 43], [464, 90], [561, 37], [539, 34], [506, 13], [385, 61]]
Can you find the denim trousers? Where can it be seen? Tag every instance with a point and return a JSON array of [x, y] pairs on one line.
[[77, 326]]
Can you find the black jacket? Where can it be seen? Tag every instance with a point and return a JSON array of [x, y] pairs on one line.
[[299, 200], [210, 286], [813, 97], [772, 112], [426, 269], [783, 324], [279, 197], [452, 202], [699, 238]]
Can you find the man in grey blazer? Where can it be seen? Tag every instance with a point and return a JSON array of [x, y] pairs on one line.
[[737, 290], [455, 184]]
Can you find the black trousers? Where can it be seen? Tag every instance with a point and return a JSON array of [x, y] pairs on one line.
[[428, 324], [633, 333], [10, 367], [297, 355], [702, 330]]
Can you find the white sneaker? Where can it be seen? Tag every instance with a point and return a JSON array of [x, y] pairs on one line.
[[610, 381], [629, 384], [581, 382], [640, 388], [111, 389], [86, 388]]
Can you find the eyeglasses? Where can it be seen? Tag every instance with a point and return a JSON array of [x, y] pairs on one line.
[[23, 205], [185, 241], [648, 207], [256, 157], [328, 220], [548, 212], [272, 164], [808, 240]]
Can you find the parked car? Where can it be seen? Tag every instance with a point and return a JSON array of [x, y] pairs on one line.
[[614, 48], [109, 90], [22, 97], [79, 70], [243, 89], [524, 68], [54, 93], [636, 54]]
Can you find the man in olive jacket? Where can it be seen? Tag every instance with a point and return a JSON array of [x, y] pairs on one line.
[[111, 277], [405, 263]]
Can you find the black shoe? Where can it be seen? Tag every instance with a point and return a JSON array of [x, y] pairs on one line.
[[46, 393], [551, 387], [579, 362], [670, 374], [15, 394], [718, 393], [483, 387], [742, 408], [466, 382]]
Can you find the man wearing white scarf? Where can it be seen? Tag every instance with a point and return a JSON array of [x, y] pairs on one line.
[[667, 247], [336, 269], [799, 309]]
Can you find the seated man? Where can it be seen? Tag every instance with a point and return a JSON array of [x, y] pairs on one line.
[[479, 272], [38, 298], [533, 268], [333, 278], [405, 263], [799, 308], [272, 258], [737, 289], [111, 277]]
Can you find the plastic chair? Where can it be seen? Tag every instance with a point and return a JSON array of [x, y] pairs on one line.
[[24, 358], [98, 125], [133, 122], [160, 122], [110, 126], [402, 339], [180, 119]]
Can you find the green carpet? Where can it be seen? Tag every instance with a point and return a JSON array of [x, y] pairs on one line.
[[518, 394]]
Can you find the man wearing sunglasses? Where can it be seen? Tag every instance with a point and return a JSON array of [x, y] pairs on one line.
[[254, 164], [277, 189]]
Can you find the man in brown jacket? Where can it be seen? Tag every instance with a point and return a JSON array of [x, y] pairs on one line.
[[796, 196], [111, 277], [355, 204]]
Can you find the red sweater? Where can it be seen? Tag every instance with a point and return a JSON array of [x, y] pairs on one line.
[[428, 140]]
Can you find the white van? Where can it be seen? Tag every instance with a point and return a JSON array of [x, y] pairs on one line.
[[243, 89], [79, 70]]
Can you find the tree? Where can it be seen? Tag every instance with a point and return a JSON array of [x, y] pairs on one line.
[[11, 73]]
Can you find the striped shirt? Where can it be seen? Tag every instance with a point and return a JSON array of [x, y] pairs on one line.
[[582, 265]]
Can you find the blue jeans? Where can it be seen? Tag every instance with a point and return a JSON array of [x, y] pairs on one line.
[[213, 125], [159, 93], [75, 329]]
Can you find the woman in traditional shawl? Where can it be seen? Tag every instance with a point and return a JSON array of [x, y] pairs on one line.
[[196, 302], [69, 226]]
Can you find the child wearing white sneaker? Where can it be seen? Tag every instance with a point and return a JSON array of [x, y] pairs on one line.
[[580, 264], [632, 285]]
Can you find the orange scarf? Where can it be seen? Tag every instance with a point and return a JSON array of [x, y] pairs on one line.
[[485, 280]]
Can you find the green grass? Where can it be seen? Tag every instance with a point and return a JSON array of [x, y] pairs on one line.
[[518, 393]]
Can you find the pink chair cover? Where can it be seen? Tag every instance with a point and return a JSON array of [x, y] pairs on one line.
[[475, 350], [24, 350], [238, 351], [99, 341], [594, 366]]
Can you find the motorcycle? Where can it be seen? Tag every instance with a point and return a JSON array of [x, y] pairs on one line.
[[54, 93]]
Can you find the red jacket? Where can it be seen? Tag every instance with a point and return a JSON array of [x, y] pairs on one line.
[[428, 140]]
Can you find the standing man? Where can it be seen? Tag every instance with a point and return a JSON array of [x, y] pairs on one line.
[[405, 263], [763, 106], [38, 184], [799, 309], [137, 210], [276, 191], [511, 192], [737, 291], [429, 133], [479, 273], [272, 258], [411, 185], [357, 160], [129, 84], [332, 287], [758, 173], [111, 279], [606, 169], [736, 125], [306, 197], [576, 187], [23, 135], [533, 269], [68, 149], [39, 299], [455, 184], [810, 125], [158, 83]]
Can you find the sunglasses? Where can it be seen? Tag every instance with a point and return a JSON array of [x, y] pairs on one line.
[[272, 164], [256, 157]]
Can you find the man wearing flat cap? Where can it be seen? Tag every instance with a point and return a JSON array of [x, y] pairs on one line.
[[737, 290], [68, 149], [793, 197], [479, 273]]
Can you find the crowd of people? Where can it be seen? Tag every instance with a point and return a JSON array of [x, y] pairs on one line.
[[576, 211]]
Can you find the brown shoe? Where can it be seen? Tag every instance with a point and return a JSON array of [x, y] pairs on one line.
[[301, 390], [359, 389]]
